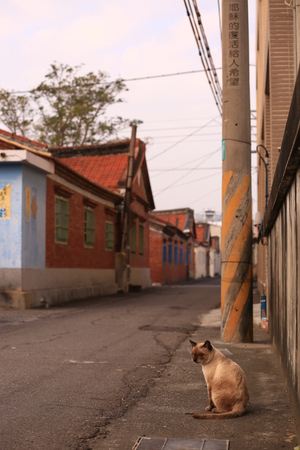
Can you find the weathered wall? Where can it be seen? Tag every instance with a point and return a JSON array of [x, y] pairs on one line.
[[284, 287], [33, 218], [200, 261], [11, 222], [282, 227]]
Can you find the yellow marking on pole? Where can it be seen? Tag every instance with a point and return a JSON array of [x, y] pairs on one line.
[[235, 253], [232, 207], [226, 178], [237, 308], [241, 239]]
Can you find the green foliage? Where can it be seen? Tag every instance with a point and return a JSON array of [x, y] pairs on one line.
[[15, 112], [70, 108]]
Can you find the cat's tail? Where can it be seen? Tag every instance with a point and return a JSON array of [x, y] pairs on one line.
[[217, 416]]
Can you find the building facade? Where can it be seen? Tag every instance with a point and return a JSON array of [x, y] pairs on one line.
[[278, 114], [275, 84], [168, 252], [60, 232], [183, 219]]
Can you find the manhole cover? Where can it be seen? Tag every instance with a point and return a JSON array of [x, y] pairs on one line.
[[146, 443], [161, 328]]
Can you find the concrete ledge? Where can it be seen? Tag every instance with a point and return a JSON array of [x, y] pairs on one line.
[[34, 299]]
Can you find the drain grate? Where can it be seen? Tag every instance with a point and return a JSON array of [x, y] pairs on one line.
[[146, 443], [161, 328]]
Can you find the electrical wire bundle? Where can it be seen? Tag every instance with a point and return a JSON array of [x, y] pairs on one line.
[[204, 51]]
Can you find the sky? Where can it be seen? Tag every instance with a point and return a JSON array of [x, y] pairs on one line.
[[149, 45]]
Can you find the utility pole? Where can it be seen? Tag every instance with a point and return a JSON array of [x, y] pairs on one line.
[[126, 216], [123, 258], [236, 288]]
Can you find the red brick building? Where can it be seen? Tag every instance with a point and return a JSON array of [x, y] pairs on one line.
[[168, 252], [107, 166], [172, 237], [61, 220]]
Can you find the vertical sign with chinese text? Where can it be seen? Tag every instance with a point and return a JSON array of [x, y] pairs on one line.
[[5, 201], [234, 44]]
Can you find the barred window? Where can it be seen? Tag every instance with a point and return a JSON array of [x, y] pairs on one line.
[[61, 220], [176, 254], [141, 240], [133, 239], [89, 227], [109, 236], [164, 253]]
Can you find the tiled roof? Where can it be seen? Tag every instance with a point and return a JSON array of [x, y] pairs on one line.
[[178, 220], [109, 171], [16, 141]]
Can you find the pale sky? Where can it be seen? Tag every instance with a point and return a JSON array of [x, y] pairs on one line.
[[134, 39]]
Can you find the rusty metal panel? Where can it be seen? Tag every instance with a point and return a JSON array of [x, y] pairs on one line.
[[146, 443]]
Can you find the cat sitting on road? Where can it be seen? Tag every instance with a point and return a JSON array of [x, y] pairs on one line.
[[226, 383]]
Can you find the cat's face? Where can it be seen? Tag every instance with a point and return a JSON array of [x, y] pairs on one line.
[[202, 353]]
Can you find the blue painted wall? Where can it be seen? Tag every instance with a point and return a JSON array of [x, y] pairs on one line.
[[22, 236], [11, 228], [34, 219]]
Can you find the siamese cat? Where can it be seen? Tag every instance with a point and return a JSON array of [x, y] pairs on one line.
[[226, 383]]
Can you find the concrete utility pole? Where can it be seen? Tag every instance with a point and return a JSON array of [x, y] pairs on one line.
[[236, 291], [122, 262], [126, 217]]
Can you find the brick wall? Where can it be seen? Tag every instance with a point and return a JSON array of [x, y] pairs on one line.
[[168, 271], [275, 84], [140, 217], [74, 254], [156, 256]]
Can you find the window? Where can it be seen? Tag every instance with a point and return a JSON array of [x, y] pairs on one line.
[[164, 255], [109, 236], [141, 240], [61, 220], [181, 256], [89, 227], [176, 254], [133, 239], [170, 253]]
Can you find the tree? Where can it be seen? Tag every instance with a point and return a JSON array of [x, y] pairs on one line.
[[15, 112], [70, 108]]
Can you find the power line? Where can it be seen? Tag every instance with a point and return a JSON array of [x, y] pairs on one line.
[[182, 135], [173, 128], [170, 142], [151, 77], [203, 157], [199, 179], [187, 168], [206, 195], [220, 26], [125, 80], [181, 140], [204, 52], [185, 175]]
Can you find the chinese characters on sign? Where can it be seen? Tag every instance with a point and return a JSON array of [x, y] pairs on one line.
[[5, 194], [233, 75]]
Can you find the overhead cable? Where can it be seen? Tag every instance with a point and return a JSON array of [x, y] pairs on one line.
[[204, 51], [181, 140]]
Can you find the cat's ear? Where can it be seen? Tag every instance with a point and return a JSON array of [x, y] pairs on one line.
[[193, 343], [207, 345]]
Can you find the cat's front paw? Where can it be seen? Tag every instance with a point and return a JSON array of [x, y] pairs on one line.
[[208, 408]]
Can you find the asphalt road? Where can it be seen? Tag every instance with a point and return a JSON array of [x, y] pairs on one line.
[[69, 372]]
